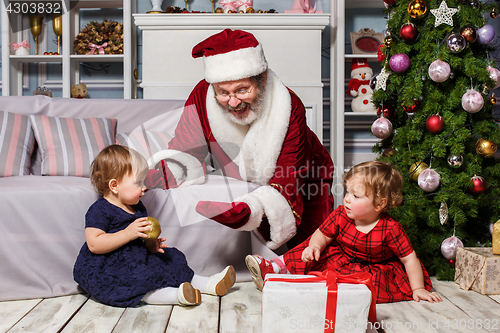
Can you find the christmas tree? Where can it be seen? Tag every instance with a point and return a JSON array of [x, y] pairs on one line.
[[435, 104]]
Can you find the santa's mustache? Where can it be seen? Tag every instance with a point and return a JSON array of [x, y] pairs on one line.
[[240, 106]]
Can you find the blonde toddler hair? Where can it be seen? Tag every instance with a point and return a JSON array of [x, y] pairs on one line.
[[382, 179]]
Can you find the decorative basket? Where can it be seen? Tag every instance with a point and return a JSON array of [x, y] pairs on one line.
[[104, 37]]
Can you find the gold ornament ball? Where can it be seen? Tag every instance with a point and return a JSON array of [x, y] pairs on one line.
[[219, 10], [493, 99], [250, 10], [416, 169], [485, 148], [155, 226], [388, 41], [260, 11], [469, 33], [494, 13], [417, 9]]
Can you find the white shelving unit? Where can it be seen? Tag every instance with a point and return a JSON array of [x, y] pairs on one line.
[[339, 59], [14, 66]]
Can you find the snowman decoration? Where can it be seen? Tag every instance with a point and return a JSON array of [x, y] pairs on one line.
[[359, 86]]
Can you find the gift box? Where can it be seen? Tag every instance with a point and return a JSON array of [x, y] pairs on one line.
[[478, 269], [322, 302]]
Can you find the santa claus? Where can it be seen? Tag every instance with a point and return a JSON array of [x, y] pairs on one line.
[[253, 128]]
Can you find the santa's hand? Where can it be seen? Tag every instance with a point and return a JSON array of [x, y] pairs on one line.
[[233, 215]]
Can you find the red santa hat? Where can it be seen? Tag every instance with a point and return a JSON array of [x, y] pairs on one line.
[[358, 63], [231, 55]]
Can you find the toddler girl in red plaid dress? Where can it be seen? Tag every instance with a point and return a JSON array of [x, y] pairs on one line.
[[360, 236]]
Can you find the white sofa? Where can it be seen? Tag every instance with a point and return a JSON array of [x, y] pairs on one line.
[[42, 217]]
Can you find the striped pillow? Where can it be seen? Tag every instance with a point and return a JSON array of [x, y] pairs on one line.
[[147, 143], [16, 144], [68, 146]]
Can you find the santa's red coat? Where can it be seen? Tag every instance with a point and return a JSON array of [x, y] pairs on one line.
[[278, 151]]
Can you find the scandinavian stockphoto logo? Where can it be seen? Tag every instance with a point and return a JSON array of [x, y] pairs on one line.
[[32, 15]]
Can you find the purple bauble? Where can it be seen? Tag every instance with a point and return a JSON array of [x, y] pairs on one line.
[[449, 247], [382, 128], [495, 76], [428, 180], [472, 101], [439, 71], [456, 43], [485, 34], [399, 63]]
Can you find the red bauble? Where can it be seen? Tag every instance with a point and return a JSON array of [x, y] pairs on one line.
[[390, 2], [386, 111], [451, 262], [434, 124], [478, 185], [412, 108], [408, 32]]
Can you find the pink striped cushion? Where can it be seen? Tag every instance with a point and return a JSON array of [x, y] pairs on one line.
[[16, 144], [68, 145], [147, 143]]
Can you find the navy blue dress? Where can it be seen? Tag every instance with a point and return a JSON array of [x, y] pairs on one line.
[[122, 277]]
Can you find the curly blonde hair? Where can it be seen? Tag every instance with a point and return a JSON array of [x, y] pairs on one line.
[[382, 179], [115, 162]]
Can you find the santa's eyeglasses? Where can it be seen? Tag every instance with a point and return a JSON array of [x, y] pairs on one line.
[[224, 96]]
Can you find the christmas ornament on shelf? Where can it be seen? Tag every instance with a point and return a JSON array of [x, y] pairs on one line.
[[439, 71], [399, 63], [478, 185], [417, 9], [359, 86], [472, 101], [428, 180], [449, 247], [382, 128], [434, 124], [485, 148], [416, 169]]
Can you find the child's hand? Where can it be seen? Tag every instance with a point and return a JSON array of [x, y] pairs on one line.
[[311, 253], [137, 228], [422, 294], [155, 245]]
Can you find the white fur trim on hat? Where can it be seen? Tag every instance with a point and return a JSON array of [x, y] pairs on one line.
[[235, 65]]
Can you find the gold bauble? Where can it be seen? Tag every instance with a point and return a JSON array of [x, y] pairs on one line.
[[155, 226], [494, 13], [250, 10], [416, 169], [493, 99], [219, 10], [485, 148], [417, 9], [469, 33], [388, 40]]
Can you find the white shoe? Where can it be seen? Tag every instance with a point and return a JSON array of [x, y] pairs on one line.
[[188, 295], [218, 284]]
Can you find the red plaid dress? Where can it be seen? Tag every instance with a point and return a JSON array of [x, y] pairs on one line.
[[350, 251]]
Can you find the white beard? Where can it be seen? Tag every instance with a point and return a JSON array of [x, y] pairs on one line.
[[254, 112]]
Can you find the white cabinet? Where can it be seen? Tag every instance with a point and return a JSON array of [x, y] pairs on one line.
[[291, 42], [339, 118], [15, 28]]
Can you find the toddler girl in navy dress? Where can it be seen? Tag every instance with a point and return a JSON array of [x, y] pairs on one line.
[[118, 265], [360, 236]]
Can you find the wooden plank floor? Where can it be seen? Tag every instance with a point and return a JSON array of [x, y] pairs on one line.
[[239, 311]]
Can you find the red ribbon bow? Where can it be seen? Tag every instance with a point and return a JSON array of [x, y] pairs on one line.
[[24, 43], [332, 279], [93, 47]]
